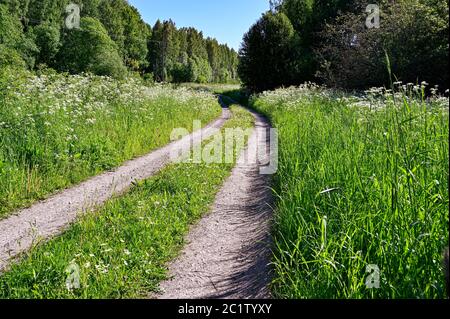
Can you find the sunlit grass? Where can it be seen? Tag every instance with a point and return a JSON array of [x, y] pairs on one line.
[[122, 249], [359, 185], [57, 130]]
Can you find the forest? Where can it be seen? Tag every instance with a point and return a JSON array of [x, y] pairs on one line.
[[328, 42], [112, 39]]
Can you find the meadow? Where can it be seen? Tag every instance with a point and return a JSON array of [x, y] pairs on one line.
[[362, 181], [56, 130]]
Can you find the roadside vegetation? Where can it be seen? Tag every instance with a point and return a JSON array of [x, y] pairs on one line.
[[57, 130], [361, 181], [122, 249], [331, 42], [363, 177]]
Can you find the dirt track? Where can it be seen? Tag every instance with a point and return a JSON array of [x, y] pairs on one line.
[[228, 252], [46, 219]]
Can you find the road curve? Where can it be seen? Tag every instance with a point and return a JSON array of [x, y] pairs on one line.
[[227, 254], [49, 218]]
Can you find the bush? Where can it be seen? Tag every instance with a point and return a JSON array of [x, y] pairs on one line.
[[149, 78], [180, 73], [10, 57], [48, 40], [265, 53], [14, 42], [90, 49], [108, 63], [199, 70]]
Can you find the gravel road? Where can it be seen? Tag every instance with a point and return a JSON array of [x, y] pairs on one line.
[[227, 254], [46, 219]]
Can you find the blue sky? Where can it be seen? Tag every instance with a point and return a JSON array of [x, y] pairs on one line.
[[225, 20]]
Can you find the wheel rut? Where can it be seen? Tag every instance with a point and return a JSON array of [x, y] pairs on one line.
[[49, 218], [227, 254]]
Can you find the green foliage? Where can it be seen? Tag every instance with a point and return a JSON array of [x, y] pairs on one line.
[[10, 28], [333, 45], [265, 52], [200, 71], [163, 49], [90, 49], [181, 73], [57, 130], [48, 40], [10, 58], [300, 13], [13, 37], [40, 11], [325, 11], [19, 7], [183, 55], [35, 29], [136, 34], [28, 49], [413, 35], [126, 28]]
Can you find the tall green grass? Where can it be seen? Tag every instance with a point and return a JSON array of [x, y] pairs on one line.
[[57, 130], [359, 184], [122, 249]]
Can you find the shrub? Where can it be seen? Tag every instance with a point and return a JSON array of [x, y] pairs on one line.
[[180, 73], [14, 42], [10, 57], [48, 40], [265, 52], [90, 49]]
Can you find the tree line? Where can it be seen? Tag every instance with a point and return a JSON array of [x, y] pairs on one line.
[[330, 42], [112, 40]]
